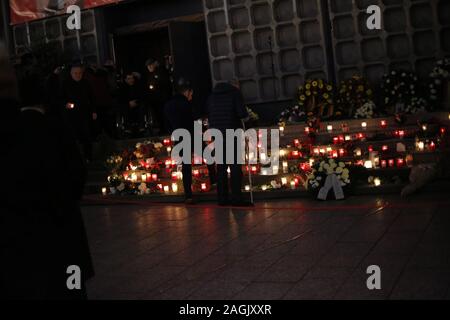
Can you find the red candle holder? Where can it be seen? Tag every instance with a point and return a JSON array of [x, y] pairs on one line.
[[400, 162], [391, 163], [383, 124], [383, 163], [384, 148]]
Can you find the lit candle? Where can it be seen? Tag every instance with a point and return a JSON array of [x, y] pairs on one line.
[[384, 148], [154, 177], [421, 146], [364, 125], [424, 127], [169, 149], [377, 182], [334, 154], [336, 140], [400, 162], [330, 128], [284, 181], [70, 106], [383, 124], [247, 188], [264, 172], [293, 186], [203, 187], [348, 138], [358, 152], [341, 152], [285, 167], [296, 142], [368, 164], [166, 189], [175, 187], [175, 176], [134, 177], [104, 191], [282, 153], [264, 188], [196, 173], [432, 146], [391, 163], [295, 154], [383, 163], [144, 177], [307, 130], [281, 130]]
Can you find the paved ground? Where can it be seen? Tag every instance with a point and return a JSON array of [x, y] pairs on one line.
[[280, 250]]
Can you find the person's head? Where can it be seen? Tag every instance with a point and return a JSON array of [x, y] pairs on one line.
[[130, 79], [184, 88], [151, 64], [8, 81], [77, 72]]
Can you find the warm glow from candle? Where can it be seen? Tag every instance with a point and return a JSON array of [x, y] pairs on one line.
[[329, 128], [284, 181], [377, 182], [104, 191], [175, 187], [368, 164]]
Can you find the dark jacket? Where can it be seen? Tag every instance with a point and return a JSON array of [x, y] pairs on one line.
[[179, 114], [79, 93], [129, 93], [42, 228], [225, 107]]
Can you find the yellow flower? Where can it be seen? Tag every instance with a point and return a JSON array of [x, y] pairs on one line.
[[326, 96], [329, 88], [302, 97], [314, 83], [308, 86], [308, 93]]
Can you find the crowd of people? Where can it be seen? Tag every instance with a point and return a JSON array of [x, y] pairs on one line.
[[47, 144]]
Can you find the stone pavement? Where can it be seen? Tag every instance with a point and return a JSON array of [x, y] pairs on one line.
[[281, 250]]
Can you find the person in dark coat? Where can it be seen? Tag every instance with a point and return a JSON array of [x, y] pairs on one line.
[[79, 108], [42, 230], [157, 91], [179, 114], [226, 110], [103, 100], [131, 103]]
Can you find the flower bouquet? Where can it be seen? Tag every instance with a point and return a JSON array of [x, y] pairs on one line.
[[329, 175], [367, 110], [315, 99], [439, 86], [402, 93], [353, 94]]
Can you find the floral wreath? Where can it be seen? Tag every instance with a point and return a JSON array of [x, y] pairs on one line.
[[315, 99], [438, 77], [321, 170], [353, 94], [402, 92]]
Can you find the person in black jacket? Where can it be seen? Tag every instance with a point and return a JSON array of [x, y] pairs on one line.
[[42, 230], [226, 110], [179, 114], [132, 104], [157, 91], [79, 108]]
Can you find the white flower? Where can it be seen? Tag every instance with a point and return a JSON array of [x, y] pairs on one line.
[[121, 187], [339, 170]]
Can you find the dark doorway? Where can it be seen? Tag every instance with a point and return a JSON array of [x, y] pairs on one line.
[[132, 50], [185, 41]]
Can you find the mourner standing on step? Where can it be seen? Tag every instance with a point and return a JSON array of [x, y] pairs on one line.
[[179, 114], [157, 92], [226, 110]]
